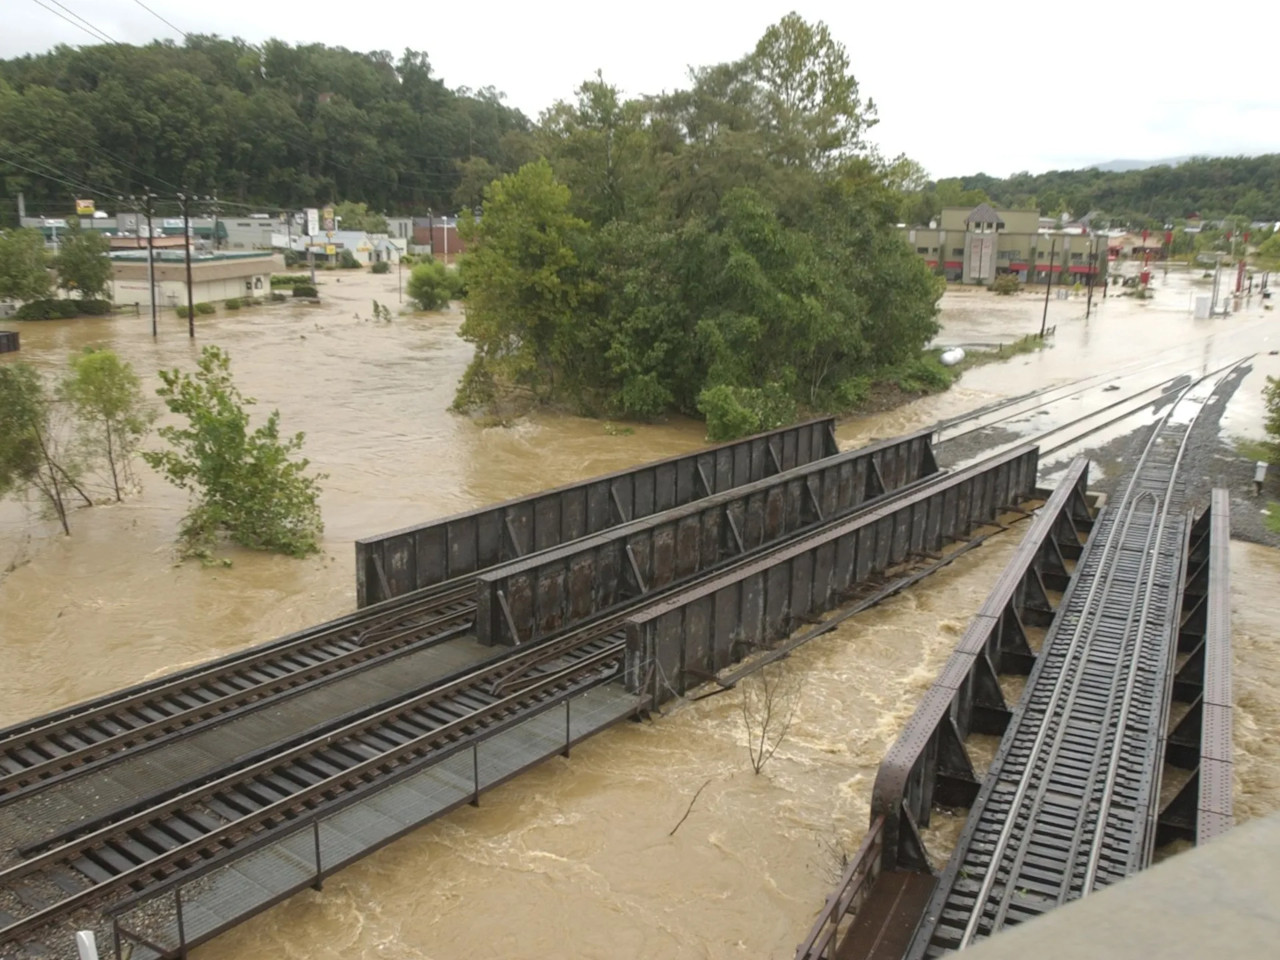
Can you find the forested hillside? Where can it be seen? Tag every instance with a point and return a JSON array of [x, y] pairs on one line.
[[278, 125], [1214, 188]]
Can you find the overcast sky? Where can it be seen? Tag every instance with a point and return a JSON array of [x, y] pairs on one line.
[[962, 88]]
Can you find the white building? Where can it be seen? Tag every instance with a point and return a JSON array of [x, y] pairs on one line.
[[214, 277]]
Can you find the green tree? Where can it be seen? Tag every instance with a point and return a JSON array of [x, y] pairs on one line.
[[82, 262], [475, 174], [33, 441], [106, 396], [24, 266], [1269, 250], [429, 285], [524, 282], [357, 216], [810, 105], [246, 484]]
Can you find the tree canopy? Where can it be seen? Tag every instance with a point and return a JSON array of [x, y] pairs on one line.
[[1212, 187], [726, 249], [275, 124]]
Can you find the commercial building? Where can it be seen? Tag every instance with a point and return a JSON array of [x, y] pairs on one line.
[[214, 277], [977, 244], [328, 248]]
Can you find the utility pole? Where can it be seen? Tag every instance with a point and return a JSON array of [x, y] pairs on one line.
[[213, 230], [186, 236], [1088, 303], [1044, 319], [148, 199]]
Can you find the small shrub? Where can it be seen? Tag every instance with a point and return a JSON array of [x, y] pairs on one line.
[[66, 309], [347, 260], [382, 266], [852, 392], [293, 258], [289, 279], [733, 412], [37, 310], [278, 297], [303, 290], [232, 304], [204, 309], [181, 310], [94, 308], [330, 266], [430, 285], [924, 374], [1006, 284], [408, 259]]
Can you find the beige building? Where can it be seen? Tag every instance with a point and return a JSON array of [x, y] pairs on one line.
[[977, 244], [214, 277]]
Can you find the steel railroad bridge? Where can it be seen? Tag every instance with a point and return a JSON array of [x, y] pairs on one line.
[[161, 815], [1121, 623]]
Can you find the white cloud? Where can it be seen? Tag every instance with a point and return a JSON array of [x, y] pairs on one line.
[[961, 90]]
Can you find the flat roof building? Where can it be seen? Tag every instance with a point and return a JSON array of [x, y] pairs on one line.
[[977, 244], [214, 277]]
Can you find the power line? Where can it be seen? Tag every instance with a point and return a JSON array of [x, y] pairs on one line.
[[78, 187], [78, 26], [162, 19], [95, 28]]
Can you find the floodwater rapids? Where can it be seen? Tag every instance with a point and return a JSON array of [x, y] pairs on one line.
[[573, 858]]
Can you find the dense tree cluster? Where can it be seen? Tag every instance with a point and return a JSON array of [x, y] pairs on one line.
[[274, 124], [727, 249], [1213, 187]]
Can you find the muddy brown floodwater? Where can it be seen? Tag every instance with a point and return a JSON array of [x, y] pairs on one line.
[[573, 858]]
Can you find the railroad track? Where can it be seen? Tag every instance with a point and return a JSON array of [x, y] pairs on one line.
[[1079, 428], [1066, 809], [213, 819], [1012, 408], [46, 747]]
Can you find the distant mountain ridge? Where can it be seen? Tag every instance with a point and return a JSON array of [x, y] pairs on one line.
[[1123, 166]]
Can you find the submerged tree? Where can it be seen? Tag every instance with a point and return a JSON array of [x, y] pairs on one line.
[[247, 484], [107, 396], [770, 698], [24, 266], [82, 262], [33, 441]]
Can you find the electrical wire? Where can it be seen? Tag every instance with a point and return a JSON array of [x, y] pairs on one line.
[[91, 30], [92, 26], [162, 19]]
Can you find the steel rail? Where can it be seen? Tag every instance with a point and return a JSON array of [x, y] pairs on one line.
[[426, 599], [392, 642], [1044, 403], [1055, 711], [1055, 720], [513, 665], [1108, 796], [1086, 627], [1073, 388], [228, 834]]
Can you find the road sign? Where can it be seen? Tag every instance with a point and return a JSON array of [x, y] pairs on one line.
[[84, 208], [313, 221], [330, 249], [327, 216]]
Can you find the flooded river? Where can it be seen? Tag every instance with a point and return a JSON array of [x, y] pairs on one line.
[[574, 858]]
